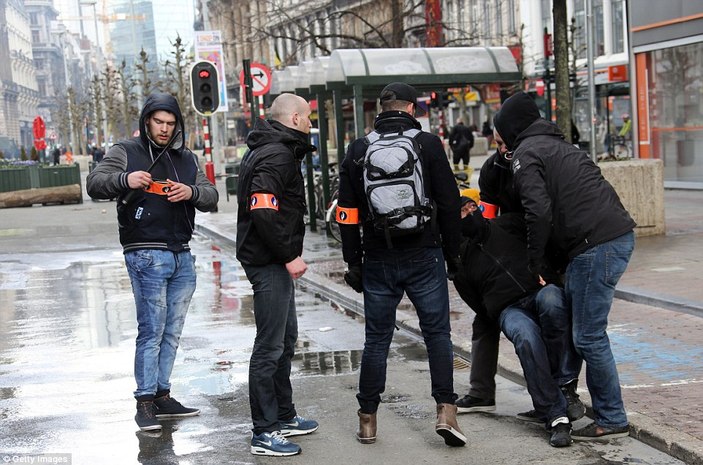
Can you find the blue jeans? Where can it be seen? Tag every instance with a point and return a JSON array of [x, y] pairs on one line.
[[163, 283], [540, 329], [420, 273], [590, 286], [270, 391]]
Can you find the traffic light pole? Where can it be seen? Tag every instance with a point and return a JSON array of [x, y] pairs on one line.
[[209, 166]]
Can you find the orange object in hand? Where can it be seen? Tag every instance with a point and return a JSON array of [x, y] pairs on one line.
[[159, 188]]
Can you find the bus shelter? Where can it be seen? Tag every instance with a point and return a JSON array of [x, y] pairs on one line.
[[361, 74]]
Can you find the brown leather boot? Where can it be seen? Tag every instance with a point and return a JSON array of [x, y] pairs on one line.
[[447, 426], [366, 434]]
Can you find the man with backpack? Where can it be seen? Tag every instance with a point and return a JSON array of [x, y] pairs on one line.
[[397, 184]]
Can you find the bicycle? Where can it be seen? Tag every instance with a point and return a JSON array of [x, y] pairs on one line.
[[331, 218], [620, 148]]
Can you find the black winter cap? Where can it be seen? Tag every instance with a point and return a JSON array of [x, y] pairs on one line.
[[518, 112], [404, 92]]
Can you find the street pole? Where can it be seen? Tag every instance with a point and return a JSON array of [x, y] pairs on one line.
[[98, 63], [68, 95], [591, 79]]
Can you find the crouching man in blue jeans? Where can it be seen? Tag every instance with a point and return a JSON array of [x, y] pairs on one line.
[[158, 186], [495, 282]]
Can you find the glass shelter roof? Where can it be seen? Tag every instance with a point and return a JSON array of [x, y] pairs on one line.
[[421, 67]]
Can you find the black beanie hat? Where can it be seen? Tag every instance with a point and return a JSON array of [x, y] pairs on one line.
[[517, 113]]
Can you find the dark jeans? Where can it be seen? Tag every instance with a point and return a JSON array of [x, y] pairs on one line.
[[420, 273], [485, 338], [590, 285], [539, 328], [461, 154], [270, 391]]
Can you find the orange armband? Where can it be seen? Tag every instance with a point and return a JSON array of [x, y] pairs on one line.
[[347, 215], [489, 210], [263, 200], [159, 187]]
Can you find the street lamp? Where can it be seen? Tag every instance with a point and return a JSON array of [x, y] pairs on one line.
[[99, 64], [60, 30]]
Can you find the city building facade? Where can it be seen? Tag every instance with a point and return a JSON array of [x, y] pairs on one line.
[[19, 96]]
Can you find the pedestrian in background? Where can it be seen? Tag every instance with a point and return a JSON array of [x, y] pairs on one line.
[[384, 268], [158, 186], [270, 231], [566, 199], [461, 140]]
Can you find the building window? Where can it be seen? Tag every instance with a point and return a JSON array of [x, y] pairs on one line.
[[33, 19], [599, 28], [35, 37], [617, 25], [499, 20], [512, 26], [579, 29], [676, 111]]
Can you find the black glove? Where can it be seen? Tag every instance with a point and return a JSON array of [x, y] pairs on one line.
[[541, 270], [453, 267], [353, 278]]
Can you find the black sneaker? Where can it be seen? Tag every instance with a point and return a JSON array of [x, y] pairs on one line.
[[575, 409], [594, 432], [530, 416], [168, 407], [560, 433], [471, 404], [145, 417]]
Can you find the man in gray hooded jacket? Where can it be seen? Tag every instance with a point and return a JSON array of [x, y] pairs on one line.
[[158, 186]]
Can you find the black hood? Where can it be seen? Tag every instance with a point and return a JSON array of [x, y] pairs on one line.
[[270, 131], [166, 102], [517, 113]]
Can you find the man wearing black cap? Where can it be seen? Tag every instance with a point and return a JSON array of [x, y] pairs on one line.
[[567, 200], [411, 263]]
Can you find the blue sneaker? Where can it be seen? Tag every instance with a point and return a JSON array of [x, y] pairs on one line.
[[273, 444], [297, 426]]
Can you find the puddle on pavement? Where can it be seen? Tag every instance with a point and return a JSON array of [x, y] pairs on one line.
[[327, 363]]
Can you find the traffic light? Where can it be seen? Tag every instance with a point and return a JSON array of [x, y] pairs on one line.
[[204, 88], [439, 99], [434, 99]]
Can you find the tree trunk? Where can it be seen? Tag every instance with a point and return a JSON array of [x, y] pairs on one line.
[[44, 195], [561, 67]]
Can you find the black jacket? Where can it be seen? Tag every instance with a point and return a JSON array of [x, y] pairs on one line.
[[150, 221], [461, 138], [272, 165], [494, 265], [440, 188], [496, 184], [562, 191]]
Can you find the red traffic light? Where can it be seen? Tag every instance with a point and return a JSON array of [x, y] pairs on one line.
[[204, 74]]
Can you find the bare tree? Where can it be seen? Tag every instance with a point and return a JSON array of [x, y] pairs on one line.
[[111, 91], [78, 118], [561, 67], [128, 111], [177, 71], [96, 95], [143, 76]]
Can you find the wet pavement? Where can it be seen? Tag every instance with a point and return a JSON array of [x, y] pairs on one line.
[[67, 337], [656, 324]]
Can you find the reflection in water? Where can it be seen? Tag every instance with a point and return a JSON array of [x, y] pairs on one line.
[[327, 363], [157, 447]]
